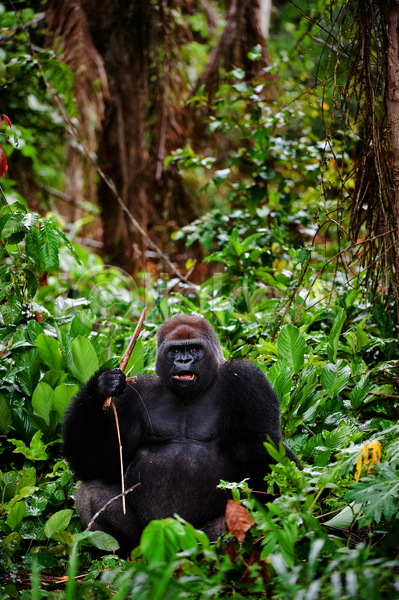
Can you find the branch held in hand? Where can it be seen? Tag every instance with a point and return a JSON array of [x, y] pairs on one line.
[[123, 365]]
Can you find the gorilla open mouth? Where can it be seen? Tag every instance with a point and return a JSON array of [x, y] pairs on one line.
[[185, 376]]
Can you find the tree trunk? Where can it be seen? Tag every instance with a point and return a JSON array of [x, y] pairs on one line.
[[392, 103]]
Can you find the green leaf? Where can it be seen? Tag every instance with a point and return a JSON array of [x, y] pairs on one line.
[[84, 359], [14, 225], [49, 240], [5, 415], [360, 391], [335, 377], [280, 377], [42, 401], [62, 396], [103, 541], [291, 346], [157, 542], [28, 362], [34, 330], [17, 514], [58, 522], [52, 377], [82, 324], [28, 478], [243, 88], [238, 73], [50, 351], [345, 517], [335, 332], [65, 341], [385, 389], [37, 450], [255, 53]]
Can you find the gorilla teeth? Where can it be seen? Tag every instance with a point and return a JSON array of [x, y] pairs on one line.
[[186, 377]]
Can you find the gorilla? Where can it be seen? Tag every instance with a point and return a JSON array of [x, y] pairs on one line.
[[199, 420]]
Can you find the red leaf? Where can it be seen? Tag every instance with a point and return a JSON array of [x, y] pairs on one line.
[[3, 162], [7, 120], [238, 520]]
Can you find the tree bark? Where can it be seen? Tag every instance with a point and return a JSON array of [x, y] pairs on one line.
[[392, 104]]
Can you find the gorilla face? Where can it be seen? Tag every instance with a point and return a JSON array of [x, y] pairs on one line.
[[188, 355], [185, 361]]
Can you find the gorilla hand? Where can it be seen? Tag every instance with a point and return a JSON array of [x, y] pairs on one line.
[[111, 383]]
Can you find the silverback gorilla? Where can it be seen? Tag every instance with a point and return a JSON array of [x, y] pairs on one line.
[[200, 420]]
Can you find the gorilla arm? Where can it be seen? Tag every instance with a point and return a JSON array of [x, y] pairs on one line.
[[90, 435], [251, 417]]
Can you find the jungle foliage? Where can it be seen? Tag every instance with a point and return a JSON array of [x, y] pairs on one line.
[[290, 290]]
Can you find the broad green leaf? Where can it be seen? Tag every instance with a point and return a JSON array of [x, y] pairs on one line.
[[28, 478], [62, 396], [37, 450], [155, 544], [84, 359], [305, 388], [8, 485], [345, 517], [52, 377], [25, 492], [291, 346], [360, 391], [82, 324], [65, 341], [380, 391], [34, 330], [50, 242], [280, 377], [16, 515], [335, 332], [10, 544], [50, 351], [29, 363], [321, 455], [286, 546], [103, 541], [42, 401], [5, 415], [58, 522], [13, 225], [64, 537], [335, 377]]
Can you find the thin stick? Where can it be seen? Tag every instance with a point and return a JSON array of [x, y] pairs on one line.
[[123, 365], [129, 350], [120, 458], [98, 513], [133, 340]]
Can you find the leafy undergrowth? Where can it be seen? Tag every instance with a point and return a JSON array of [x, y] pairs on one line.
[[331, 530]]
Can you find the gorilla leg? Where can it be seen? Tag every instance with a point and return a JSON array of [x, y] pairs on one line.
[[91, 496], [215, 529]]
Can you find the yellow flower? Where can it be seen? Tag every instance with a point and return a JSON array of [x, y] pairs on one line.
[[364, 452]]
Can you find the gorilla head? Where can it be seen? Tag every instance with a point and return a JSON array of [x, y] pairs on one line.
[[188, 354]]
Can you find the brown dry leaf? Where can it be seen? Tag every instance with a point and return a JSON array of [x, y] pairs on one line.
[[3, 162], [231, 552], [238, 520], [264, 568]]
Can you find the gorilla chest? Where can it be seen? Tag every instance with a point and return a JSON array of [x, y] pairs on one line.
[[175, 420]]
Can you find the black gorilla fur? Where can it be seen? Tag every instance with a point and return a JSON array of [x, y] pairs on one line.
[[200, 420]]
